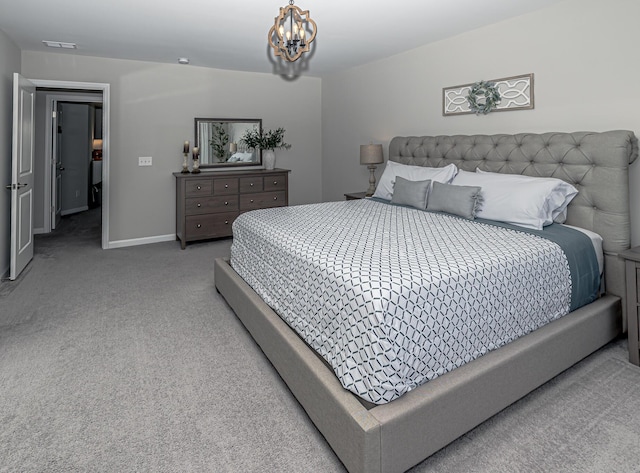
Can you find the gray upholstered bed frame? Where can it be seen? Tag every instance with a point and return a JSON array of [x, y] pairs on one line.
[[395, 436]]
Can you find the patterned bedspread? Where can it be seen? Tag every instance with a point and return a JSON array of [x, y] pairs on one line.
[[391, 296]]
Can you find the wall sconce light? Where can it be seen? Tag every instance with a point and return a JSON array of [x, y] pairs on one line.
[[371, 155], [292, 33]]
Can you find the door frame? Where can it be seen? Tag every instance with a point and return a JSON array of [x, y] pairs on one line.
[[49, 139], [106, 133]]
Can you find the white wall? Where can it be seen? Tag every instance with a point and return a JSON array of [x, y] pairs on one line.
[[152, 111], [584, 54], [10, 62]]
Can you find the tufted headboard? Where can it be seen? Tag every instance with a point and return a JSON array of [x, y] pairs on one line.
[[596, 164]]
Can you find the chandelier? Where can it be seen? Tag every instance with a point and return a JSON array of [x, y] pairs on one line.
[[292, 33]]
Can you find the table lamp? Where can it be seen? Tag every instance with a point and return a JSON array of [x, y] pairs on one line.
[[371, 155]]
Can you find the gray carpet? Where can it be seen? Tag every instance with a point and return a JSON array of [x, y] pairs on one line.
[[128, 360]]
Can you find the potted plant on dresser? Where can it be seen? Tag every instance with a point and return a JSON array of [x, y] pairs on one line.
[[267, 141]]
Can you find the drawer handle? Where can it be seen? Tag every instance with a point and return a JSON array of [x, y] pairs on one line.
[[251, 201], [199, 204], [251, 185], [226, 203], [198, 187], [226, 186], [275, 183], [226, 222], [198, 226], [275, 198]]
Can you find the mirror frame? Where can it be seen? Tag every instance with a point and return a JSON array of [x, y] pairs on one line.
[[255, 121]]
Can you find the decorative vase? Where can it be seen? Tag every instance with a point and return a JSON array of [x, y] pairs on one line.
[[269, 158]]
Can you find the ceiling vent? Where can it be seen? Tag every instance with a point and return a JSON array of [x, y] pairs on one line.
[[60, 44]]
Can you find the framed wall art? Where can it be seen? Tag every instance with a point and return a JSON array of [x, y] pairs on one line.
[[516, 93]]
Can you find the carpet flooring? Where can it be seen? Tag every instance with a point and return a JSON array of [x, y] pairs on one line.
[[128, 360]]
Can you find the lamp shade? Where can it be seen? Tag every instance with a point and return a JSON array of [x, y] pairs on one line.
[[371, 154], [97, 144]]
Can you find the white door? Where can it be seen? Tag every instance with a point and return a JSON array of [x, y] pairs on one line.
[[24, 94], [74, 156]]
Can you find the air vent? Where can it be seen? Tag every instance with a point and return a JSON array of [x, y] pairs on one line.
[[60, 44]]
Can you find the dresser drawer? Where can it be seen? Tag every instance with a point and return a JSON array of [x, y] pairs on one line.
[[250, 184], [204, 205], [274, 199], [225, 186], [198, 187], [263, 200], [211, 225], [276, 182]]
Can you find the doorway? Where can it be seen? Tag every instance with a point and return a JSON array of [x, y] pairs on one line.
[[56, 92], [66, 134]]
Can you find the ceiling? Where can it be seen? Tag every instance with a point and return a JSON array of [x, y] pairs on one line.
[[233, 34]]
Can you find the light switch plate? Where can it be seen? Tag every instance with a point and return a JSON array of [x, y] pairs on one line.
[[145, 161]]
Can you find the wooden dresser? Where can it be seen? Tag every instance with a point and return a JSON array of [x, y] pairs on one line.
[[632, 263], [209, 202]]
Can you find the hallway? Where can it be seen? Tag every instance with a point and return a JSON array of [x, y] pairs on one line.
[[82, 228]]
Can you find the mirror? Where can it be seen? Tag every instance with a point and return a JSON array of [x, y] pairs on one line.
[[220, 144]]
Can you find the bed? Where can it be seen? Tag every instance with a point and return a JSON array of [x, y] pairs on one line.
[[398, 434]]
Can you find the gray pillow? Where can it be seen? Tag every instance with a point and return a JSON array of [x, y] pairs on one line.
[[463, 201], [412, 193]]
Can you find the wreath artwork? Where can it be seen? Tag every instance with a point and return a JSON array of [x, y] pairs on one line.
[[483, 97], [493, 95]]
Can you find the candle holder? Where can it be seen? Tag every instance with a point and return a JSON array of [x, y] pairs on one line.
[[185, 164], [185, 161], [196, 161]]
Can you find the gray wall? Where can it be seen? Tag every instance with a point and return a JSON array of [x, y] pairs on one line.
[[152, 111], [10, 62], [584, 57]]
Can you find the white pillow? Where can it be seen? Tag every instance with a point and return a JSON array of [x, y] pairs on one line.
[[384, 190], [531, 202]]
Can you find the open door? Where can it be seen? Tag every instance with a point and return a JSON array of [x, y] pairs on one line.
[[74, 137], [56, 165], [24, 94]]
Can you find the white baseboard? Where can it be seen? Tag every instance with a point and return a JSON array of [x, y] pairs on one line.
[[38, 231], [74, 211], [5, 274], [141, 241]]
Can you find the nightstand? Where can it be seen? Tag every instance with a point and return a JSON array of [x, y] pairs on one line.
[[355, 195], [632, 263]]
